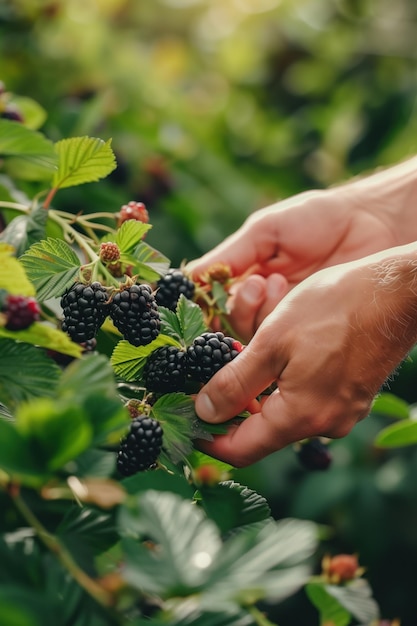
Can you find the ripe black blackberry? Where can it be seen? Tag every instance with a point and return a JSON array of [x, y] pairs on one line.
[[140, 448], [165, 370], [85, 308], [171, 286], [135, 314], [210, 352], [20, 311], [313, 454]]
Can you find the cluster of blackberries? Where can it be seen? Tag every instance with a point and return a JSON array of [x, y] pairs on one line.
[[133, 308], [19, 311], [169, 368]]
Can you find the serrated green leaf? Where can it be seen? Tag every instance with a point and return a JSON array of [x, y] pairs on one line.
[[176, 413], [191, 319], [108, 418], [170, 324], [356, 597], [13, 277], [130, 234], [82, 160], [220, 296], [255, 507], [330, 610], [43, 336], [186, 549], [25, 373], [392, 406], [128, 361], [94, 368], [151, 264], [51, 265], [400, 434], [268, 562], [17, 140]]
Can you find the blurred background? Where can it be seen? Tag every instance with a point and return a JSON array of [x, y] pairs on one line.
[[219, 107]]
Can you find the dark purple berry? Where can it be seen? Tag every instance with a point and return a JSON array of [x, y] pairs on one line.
[[140, 448], [313, 454], [135, 314], [165, 370], [85, 308], [210, 352], [171, 286], [20, 312]]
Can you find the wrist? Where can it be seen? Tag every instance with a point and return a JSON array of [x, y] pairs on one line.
[[390, 195]]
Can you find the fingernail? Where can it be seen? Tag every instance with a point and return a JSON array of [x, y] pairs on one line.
[[276, 286], [253, 292], [204, 407]]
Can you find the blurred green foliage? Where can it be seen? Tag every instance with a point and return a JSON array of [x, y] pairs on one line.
[[216, 108]]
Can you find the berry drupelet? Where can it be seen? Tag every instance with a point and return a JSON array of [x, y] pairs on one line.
[[140, 448], [171, 286], [210, 352], [85, 308], [135, 314], [165, 370]]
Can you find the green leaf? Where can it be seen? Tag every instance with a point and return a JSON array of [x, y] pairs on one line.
[[82, 160], [392, 406], [330, 610], [24, 607], [51, 265], [44, 336], [268, 562], [25, 230], [150, 264], [34, 114], [176, 413], [356, 597], [90, 375], [17, 456], [220, 296], [191, 319], [130, 234], [186, 548], [108, 417], [170, 324], [59, 431], [128, 361], [12, 274], [25, 373], [400, 434], [30, 145]]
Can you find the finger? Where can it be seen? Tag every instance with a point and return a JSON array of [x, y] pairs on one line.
[[253, 299], [234, 386], [254, 242]]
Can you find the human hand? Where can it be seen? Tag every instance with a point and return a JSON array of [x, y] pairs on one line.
[[329, 345], [279, 246]]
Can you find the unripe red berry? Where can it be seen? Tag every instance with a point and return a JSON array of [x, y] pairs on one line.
[[20, 312], [109, 252], [133, 211], [341, 568]]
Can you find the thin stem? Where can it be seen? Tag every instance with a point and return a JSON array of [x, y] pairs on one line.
[[77, 237], [14, 205], [259, 617], [101, 596]]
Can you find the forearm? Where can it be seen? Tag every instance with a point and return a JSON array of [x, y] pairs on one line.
[[391, 195]]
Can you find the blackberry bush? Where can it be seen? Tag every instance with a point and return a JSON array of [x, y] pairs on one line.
[[135, 314], [171, 286], [140, 448], [209, 353], [85, 308]]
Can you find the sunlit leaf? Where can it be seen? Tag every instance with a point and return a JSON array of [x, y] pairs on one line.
[[44, 336], [17, 140], [330, 610], [400, 434], [130, 234], [128, 361], [82, 160], [13, 277], [356, 597], [51, 265], [392, 406]]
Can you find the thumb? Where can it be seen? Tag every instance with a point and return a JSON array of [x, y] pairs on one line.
[[232, 388]]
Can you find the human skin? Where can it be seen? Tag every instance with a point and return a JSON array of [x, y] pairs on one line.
[[339, 320]]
